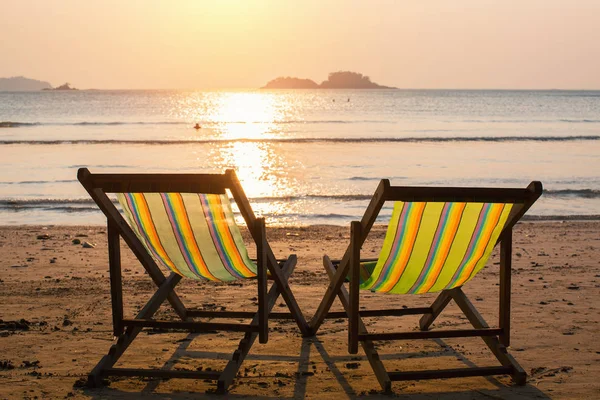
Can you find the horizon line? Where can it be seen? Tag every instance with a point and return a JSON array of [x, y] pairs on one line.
[[319, 89]]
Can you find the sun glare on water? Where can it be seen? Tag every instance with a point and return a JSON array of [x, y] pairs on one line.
[[245, 115], [250, 116], [240, 120]]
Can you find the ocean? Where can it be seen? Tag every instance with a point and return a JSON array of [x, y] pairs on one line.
[[303, 156]]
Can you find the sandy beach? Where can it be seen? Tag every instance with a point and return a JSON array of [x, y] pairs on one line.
[[56, 322], [326, 111]]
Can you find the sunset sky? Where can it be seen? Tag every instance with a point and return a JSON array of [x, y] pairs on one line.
[[138, 44]]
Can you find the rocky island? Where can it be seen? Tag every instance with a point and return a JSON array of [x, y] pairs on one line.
[[65, 86], [335, 80]]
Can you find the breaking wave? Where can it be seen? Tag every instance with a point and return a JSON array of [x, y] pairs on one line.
[[440, 139]]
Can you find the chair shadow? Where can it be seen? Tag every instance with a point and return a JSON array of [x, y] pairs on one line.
[[149, 391], [302, 375], [502, 392]]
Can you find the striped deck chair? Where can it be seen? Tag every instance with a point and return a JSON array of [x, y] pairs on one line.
[[184, 223], [437, 240]]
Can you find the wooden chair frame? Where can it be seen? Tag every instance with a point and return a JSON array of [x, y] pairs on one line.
[[497, 339], [126, 330]]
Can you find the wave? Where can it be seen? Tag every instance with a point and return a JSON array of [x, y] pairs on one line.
[[67, 209], [375, 178], [209, 123], [11, 124], [439, 139], [120, 123], [81, 202], [344, 197], [88, 205], [579, 193], [298, 216], [528, 121], [99, 166], [577, 121], [574, 217], [84, 201], [38, 182], [582, 193], [16, 203]]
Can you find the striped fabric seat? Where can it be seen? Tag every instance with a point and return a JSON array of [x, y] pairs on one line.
[[194, 235], [434, 246]]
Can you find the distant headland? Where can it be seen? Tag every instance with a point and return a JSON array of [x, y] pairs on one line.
[[335, 80], [22, 84]]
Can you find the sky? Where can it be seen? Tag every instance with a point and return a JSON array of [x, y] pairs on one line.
[[198, 44]]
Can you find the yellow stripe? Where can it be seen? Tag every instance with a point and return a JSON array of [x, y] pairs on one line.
[[193, 251], [444, 249], [405, 252], [459, 247], [482, 244], [150, 230], [227, 240]]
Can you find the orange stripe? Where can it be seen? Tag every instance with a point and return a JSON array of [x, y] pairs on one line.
[[190, 240], [406, 251], [444, 250], [150, 229], [485, 238], [225, 234]]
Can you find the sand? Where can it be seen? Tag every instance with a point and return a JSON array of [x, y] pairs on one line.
[[56, 322]]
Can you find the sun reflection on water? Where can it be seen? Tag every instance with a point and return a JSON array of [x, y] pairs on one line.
[[263, 172], [254, 165], [234, 115]]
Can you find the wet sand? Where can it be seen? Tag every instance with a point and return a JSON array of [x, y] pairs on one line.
[[56, 322]]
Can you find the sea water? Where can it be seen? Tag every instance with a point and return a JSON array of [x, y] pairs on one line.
[[303, 156]]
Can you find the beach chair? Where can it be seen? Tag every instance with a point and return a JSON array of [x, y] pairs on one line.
[[184, 223], [437, 240]]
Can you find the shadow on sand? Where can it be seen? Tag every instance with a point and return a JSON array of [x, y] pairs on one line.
[[300, 379]]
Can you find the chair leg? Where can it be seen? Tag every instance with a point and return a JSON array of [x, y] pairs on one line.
[[117, 350], [117, 224], [367, 345], [227, 376], [261, 262], [336, 282], [505, 284], [509, 364], [272, 264], [436, 308], [286, 293], [519, 375], [233, 366], [354, 298], [116, 280]]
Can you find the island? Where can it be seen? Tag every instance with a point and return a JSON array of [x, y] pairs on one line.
[[22, 84], [335, 80], [65, 86], [287, 82]]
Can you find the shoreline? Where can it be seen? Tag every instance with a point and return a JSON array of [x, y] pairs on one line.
[[56, 321], [526, 218]]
